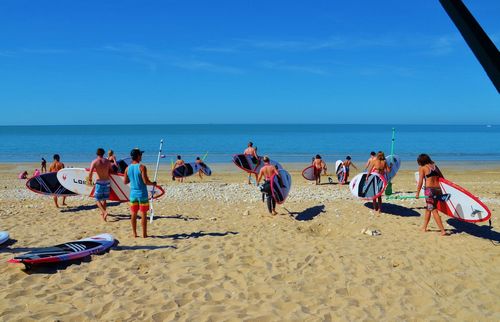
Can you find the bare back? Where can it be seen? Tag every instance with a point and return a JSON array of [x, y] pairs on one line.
[[56, 166], [102, 167]]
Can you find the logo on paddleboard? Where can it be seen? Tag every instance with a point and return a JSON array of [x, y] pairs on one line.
[[64, 177]]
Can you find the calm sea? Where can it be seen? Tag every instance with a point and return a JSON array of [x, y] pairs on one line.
[[284, 143]]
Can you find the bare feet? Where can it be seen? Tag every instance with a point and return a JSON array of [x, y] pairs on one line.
[[104, 216], [135, 236], [274, 213], [144, 236], [444, 233]]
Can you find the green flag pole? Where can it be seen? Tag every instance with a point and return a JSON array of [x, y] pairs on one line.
[[388, 190]]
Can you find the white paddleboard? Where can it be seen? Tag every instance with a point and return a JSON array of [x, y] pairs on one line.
[[394, 162], [4, 236], [340, 170], [76, 178], [422, 191], [368, 186]]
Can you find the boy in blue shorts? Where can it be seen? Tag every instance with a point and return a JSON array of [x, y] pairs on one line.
[[136, 174]]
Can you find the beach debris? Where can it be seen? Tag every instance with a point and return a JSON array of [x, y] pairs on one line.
[[213, 218], [371, 232], [246, 212]]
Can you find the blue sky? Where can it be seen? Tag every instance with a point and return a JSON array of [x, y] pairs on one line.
[[121, 62]]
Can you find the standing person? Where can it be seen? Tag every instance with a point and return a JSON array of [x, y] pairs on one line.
[[55, 166], [380, 166], [200, 162], [252, 152], [136, 174], [347, 163], [178, 163], [267, 171], [44, 165], [112, 160], [102, 167], [429, 172], [372, 158], [319, 165]]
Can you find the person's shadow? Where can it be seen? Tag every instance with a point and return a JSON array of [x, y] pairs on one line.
[[197, 234], [87, 207], [481, 231], [395, 210], [308, 214]]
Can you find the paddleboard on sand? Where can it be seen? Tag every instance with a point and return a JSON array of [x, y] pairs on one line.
[[394, 162], [4, 236], [308, 173], [47, 184], [340, 170], [188, 169], [75, 179], [67, 251], [280, 186], [251, 164], [368, 186]]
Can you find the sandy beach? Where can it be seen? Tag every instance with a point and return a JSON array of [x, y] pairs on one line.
[[215, 254]]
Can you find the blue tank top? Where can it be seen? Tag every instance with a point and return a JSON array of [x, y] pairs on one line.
[[138, 189]]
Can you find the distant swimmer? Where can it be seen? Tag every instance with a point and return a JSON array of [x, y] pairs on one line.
[[372, 158], [44, 165], [179, 162], [137, 175], [380, 166], [267, 171], [102, 167], [430, 173], [55, 166], [319, 166], [112, 159], [251, 151], [347, 164]]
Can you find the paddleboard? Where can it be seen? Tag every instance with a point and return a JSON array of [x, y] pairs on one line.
[[422, 191], [394, 162], [123, 164], [368, 186], [461, 204], [67, 251], [47, 184], [280, 187], [4, 236], [75, 179], [340, 170], [308, 173], [188, 169], [251, 165]]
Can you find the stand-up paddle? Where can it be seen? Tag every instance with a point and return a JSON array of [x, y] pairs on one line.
[[151, 214], [388, 190]]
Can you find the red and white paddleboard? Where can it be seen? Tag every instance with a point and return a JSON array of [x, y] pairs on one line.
[[462, 204], [75, 180]]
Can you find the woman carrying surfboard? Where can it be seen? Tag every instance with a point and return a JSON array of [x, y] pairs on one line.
[[380, 166], [429, 172]]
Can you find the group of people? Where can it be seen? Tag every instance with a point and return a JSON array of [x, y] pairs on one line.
[[179, 163]]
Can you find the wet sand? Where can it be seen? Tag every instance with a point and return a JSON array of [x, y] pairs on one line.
[[215, 254]]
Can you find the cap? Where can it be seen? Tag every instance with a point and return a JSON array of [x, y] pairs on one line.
[[136, 152]]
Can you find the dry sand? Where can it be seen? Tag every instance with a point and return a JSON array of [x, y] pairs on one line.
[[216, 255]]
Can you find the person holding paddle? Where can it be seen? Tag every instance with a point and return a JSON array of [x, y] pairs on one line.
[[137, 175]]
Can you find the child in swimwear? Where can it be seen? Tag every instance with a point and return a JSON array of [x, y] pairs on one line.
[[347, 163], [380, 166], [136, 174], [319, 165]]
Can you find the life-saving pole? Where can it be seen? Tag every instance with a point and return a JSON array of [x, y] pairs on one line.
[[388, 190], [151, 213]]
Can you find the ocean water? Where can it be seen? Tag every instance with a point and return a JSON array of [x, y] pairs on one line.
[[284, 143]]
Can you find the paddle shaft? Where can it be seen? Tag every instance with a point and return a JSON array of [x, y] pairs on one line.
[[151, 214]]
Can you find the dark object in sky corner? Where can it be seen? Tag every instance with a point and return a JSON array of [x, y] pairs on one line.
[[479, 42]]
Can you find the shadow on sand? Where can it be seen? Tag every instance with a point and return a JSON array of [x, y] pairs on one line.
[[481, 231], [396, 210], [119, 217], [197, 234], [87, 207], [308, 214]]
